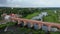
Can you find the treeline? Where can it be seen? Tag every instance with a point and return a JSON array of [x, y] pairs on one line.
[[20, 11], [23, 11]]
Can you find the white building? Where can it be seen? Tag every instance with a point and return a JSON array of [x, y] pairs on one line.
[[44, 13], [7, 17]]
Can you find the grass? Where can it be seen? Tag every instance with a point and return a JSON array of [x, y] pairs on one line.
[[10, 23], [2, 26], [25, 30], [55, 32], [7, 24], [32, 15], [52, 17]]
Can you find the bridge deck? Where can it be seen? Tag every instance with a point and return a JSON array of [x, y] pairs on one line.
[[39, 22]]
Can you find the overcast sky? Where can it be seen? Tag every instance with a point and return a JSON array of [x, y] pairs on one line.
[[30, 3]]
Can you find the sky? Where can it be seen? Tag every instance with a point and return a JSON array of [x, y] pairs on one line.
[[29, 3]]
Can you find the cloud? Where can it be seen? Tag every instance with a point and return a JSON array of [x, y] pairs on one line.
[[30, 3], [3, 1]]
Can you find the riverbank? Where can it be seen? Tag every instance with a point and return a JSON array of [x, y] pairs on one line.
[[52, 17], [15, 29]]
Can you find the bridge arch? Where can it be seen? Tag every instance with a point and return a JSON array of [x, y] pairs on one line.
[[44, 27], [30, 24], [36, 26], [54, 28]]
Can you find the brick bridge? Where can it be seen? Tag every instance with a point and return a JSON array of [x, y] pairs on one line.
[[32, 22]]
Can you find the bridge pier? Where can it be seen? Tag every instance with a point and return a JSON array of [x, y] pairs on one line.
[[13, 20], [19, 22], [36, 26], [40, 26], [29, 24], [49, 28], [25, 23]]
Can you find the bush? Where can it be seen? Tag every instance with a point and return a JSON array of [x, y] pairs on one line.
[[10, 23], [7, 24], [2, 26]]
